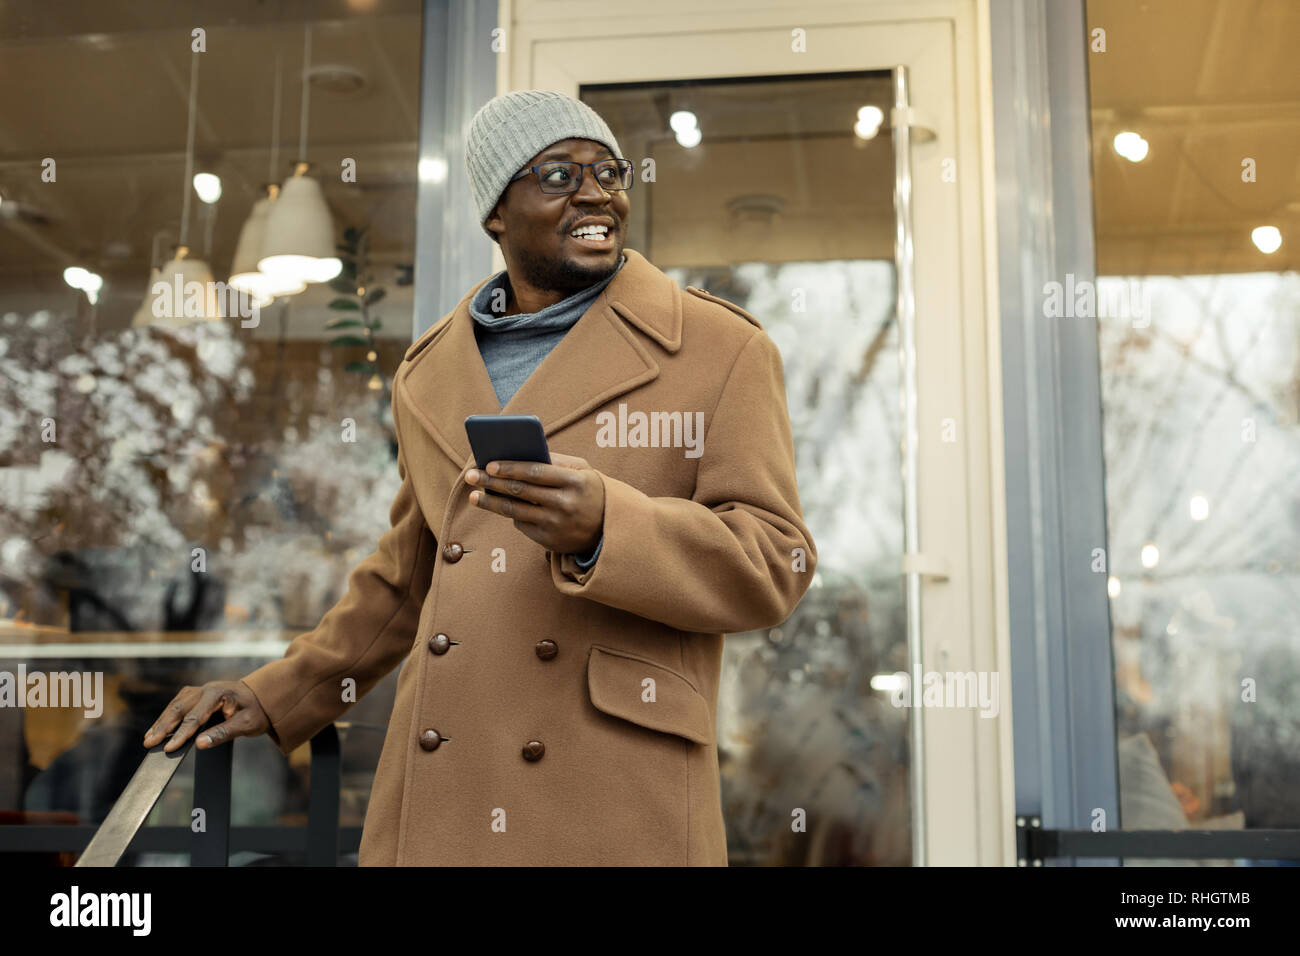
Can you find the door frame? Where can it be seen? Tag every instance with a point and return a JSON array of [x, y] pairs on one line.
[[1066, 748], [969, 793]]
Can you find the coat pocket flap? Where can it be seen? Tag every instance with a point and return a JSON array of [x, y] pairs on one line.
[[647, 694]]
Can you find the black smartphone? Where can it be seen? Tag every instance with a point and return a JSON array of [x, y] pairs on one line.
[[506, 438]]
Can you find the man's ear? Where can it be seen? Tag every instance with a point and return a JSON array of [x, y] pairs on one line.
[[495, 224]]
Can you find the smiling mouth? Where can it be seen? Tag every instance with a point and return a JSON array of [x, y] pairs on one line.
[[594, 237]]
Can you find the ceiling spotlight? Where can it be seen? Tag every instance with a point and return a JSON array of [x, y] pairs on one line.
[[1131, 146], [85, 280], [689, 137], [1267, 239], [208, 186], [888, 682], [870, 119], [683, 120], [433, 169]]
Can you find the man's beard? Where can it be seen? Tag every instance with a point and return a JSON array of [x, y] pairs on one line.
[[559, 274]]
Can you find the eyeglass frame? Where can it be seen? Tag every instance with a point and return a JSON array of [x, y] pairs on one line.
[[581, 174]]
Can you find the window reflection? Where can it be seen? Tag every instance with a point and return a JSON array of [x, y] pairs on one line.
[[1201, 454], [1199, 391], [775, 203], [799, 723], [182, 495]]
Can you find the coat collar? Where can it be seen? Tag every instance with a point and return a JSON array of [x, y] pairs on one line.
[[444, 380]]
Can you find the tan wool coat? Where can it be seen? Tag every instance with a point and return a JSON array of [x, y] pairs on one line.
[[544, 715]]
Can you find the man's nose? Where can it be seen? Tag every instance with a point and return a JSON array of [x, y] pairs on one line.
[[590, 190]]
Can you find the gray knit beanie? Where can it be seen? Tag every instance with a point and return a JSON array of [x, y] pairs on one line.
[[511, 129]]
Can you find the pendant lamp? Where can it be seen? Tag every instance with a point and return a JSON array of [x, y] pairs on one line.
[[244, 273], [182, 291], [299, 240], [144, 314]]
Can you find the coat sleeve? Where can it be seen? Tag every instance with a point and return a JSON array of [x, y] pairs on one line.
[[734, 557], [364, 636]]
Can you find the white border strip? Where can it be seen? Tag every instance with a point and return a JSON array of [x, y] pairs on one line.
[[191, 649]]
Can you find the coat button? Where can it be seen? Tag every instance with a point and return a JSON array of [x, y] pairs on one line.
[[453, 553], [440, 643], [546, 650], [533, 750], [430, 739]]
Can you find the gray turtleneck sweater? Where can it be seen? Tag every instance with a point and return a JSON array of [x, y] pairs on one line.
[[513, 346]]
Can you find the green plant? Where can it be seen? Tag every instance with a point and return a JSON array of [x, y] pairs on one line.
[[357, 294]]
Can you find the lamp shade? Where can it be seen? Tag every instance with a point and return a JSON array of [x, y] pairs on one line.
[[144, 314], [183, 293], [299, 235], [244, 274]]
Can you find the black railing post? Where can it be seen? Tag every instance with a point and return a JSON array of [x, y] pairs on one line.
[[210, 846], [323, 808], [1028, 845]]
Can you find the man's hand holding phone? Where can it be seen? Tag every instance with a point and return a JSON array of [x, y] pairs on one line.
[[561, 506]]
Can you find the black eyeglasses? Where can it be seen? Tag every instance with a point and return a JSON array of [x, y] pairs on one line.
[[564, 176]]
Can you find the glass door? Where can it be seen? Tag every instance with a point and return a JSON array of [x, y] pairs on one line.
[[787, 193], [804, 241]]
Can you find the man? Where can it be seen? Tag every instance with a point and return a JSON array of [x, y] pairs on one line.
[[562, 641]]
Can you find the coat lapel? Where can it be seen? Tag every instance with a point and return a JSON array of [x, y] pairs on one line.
[[601, 357]]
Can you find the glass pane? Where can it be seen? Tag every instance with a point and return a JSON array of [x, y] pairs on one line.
[[780, 207], [1199, 319], [179, 496]]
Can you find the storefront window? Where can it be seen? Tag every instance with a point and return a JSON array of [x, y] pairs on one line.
[[1198, 307], [185, 489]]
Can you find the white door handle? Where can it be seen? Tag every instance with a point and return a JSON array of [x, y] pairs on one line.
[[922, 126], [926, 565]]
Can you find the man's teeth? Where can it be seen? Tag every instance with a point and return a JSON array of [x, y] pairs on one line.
[[591, 232]]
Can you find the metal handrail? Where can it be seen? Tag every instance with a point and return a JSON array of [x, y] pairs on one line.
[[210, 846], [132, 808]]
